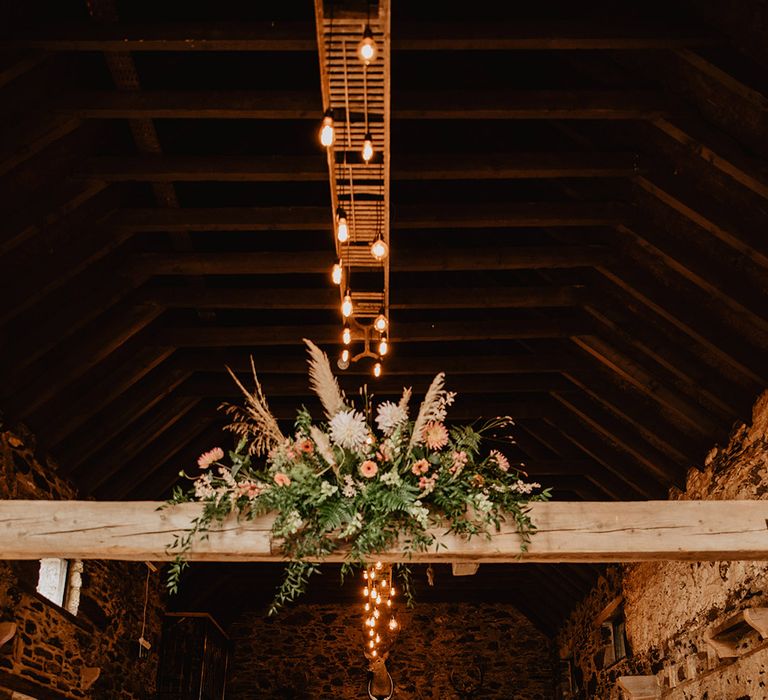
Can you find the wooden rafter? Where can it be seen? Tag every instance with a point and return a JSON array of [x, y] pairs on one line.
[[567, 532]]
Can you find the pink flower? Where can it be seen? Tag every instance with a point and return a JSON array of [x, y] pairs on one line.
[[282, 479], [420, 467], [501, 461], [435, 435], [427, 483], [459, 461], [206, 459], [368, 469], [248, 488]]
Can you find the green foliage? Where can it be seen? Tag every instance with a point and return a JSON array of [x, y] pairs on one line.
[[389, 492]]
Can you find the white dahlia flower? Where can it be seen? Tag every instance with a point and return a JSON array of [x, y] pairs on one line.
[[348, 429], [389, 416]]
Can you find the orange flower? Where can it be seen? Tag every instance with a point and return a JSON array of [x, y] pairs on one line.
[[435, 435], [420, 467], [369, 469], [206, 459], [282, 479], [306, 446]]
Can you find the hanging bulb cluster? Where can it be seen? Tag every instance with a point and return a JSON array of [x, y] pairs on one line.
[[345, 230], [378, 593]]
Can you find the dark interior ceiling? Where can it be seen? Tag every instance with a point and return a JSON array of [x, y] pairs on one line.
[[579, 198]]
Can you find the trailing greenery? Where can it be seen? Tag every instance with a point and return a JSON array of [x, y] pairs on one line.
[[341, 485]]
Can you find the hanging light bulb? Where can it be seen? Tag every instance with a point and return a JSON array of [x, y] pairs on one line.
[[366, 49], [346, 338], [377, 373], [342, 228], [367, 147], [326, 130], [380, 324], [383, 346], [379, 249], [337, 273], [345, 356], [346, 305]]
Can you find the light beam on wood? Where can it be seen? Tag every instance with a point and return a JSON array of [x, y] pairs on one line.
[[567, 532]]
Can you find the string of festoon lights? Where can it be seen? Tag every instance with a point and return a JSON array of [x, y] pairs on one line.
[[379, 621], [359, 180]]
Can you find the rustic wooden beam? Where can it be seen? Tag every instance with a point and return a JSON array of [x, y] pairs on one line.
[[300, 36], [406, 166], [507, 215], [542, 104], [567, 532], [14, 65], [403, 260], [212, 360], [232, 336], [402, 297]]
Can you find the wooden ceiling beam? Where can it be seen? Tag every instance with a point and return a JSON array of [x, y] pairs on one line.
[[402, 333], [303, 218], [526, 35], [213, 360], [133, 439], [413, 260], [14, 65], [608, 453], [32, 136], [616, 486], [77, 440], [406, 167], [221, 384], [30, 390], [402, 297], [531, 104]]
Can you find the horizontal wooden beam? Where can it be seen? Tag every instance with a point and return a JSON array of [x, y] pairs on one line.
[[168, 168], [567, 532], [402, 297], [300, 36], [412, 260], [508, 215], [235, 336], [530, 104]]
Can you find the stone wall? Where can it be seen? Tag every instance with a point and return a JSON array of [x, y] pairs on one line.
[[669, 606], [314, 651], [50, 653]]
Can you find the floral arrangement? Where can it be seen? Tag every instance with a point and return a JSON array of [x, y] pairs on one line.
[[343, 484]]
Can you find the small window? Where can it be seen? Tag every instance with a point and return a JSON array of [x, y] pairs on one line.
[[614, 641], [59, 581]]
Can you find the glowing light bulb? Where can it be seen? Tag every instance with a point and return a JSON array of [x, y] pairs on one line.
[[371, 644], [392, 592], [346, 338], [345, 357], [380, 324], [389, 603], [371, 633], [377, 373], [342, 228], [384, 583], [392, 624], [326, 130], [383, 346], [337, 273], [365, 591], [379, 249], [366, 49], [379, 565], [378, 639], [376, 614], [367, 607], [367, 148], [378, 601], [346, 305], [373, 653], [365, 574]]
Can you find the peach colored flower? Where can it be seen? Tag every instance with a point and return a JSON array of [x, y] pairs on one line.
[[249, 488], [206, 459], [427, 483], [459, 461], [282, 479], [306, 446], [435, 435], [501, 461], [420, 467], [368, 469]]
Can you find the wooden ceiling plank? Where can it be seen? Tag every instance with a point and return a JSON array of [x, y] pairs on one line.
[[300, 36], [402, 297], [542, 104], [614, 485], [407, 260], [608, 453], [407, 167], [32, 137], [303, 218], [44, 380], [409, 332]]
